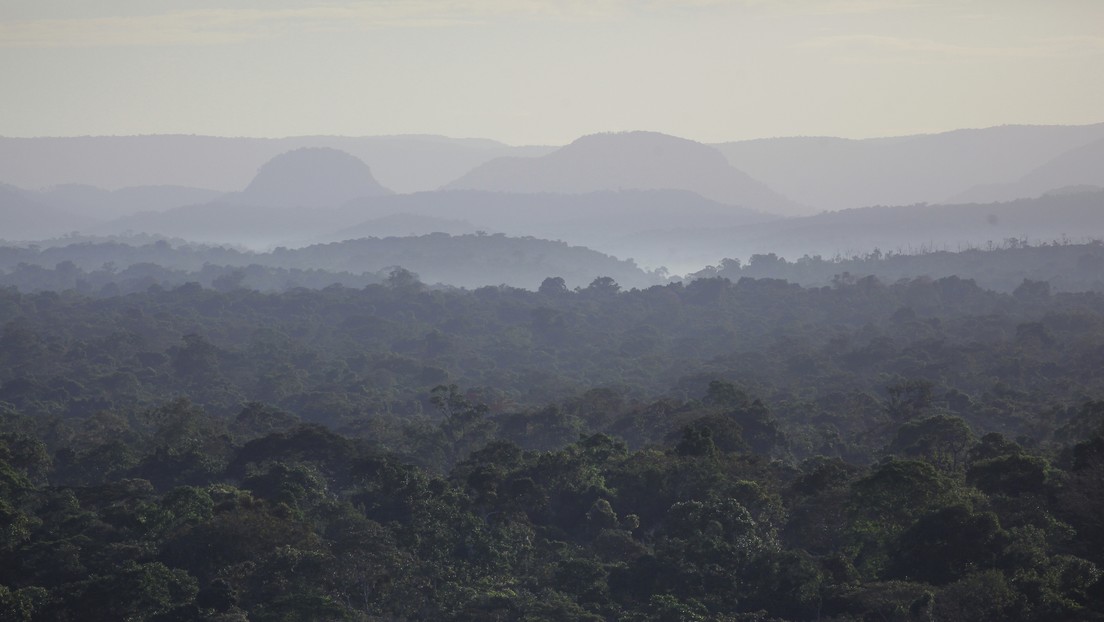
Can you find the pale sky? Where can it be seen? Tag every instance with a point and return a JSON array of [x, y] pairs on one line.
[[547, 71]]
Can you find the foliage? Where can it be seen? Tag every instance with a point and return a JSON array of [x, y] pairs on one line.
[[723, 451]]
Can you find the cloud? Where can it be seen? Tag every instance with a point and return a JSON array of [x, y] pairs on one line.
[[792, 8], [221, 26], [877, 48], [193, 27]]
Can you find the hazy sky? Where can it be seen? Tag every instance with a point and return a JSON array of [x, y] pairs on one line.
[[547, 71]]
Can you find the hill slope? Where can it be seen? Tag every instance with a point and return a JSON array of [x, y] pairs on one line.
[[98, 203], [837, 173], [1082, 166], [909, 229], [596, 219], [22, 217], [629, 160], [592, 215], [311, 177]]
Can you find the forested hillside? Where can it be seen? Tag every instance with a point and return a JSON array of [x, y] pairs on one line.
[[1074, 216], [1001, 266], [461, 261], [719, 450]]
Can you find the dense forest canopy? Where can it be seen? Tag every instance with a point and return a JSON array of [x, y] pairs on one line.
[[718, 449]]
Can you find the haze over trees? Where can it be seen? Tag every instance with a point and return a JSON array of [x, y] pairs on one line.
[[1064, 216]]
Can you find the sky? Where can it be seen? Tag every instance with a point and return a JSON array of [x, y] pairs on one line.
[[547, 71]]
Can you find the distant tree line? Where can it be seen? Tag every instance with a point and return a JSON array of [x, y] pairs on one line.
[[460, 261], [1000, 266]]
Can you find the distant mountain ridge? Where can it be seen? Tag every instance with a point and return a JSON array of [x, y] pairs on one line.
[[823, 173], [628, 160], [541, 212], [663, 200], [837, 173], [909, 229], [591, 219], [24, 217], [1081, 166], [96, 202]]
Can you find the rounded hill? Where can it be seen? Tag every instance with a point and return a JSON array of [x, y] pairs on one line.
[[628, 160], [312, 177]]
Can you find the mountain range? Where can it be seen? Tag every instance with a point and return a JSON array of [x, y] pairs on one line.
[[595, 219], [836, 173], [25, 218], [663, 200], [823, 173], [1081, 167], [1075, 216]]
